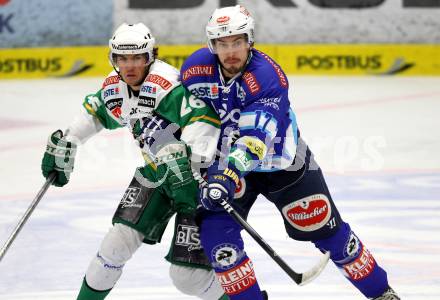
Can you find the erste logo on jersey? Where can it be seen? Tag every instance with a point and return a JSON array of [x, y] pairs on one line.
[[251, 82], [109, 92], [198, 70], [309, 213], [159, 80], [148, 90], [204, 90]]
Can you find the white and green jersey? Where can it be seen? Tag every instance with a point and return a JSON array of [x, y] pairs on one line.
[[116, 106]]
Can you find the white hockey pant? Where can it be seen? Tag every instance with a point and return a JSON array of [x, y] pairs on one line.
[[196, 282], [118, 246], [116, 249]]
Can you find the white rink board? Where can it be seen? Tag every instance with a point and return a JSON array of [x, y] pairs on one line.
[[375, 137]]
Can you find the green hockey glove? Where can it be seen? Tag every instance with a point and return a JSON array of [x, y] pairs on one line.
[[59, 157], [172, 161]]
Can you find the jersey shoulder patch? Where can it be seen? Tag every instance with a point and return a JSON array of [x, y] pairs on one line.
[[112, 94], [161, 80], [200, 64], [112, 78]]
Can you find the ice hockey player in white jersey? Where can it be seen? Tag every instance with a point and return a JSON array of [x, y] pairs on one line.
[[175, 131]]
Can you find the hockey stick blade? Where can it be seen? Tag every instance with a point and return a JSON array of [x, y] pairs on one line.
[[314, 272], [50, 179], [299, 278]]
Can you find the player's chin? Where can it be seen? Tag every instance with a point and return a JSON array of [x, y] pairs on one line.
[[133, 80], [233, 69]]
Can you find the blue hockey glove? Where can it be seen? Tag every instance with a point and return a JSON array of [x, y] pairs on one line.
[[221, 186]]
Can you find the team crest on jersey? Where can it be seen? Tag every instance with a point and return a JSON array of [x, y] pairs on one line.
[[309, 213], [198, 70], [159, 80], [251, 82], [353, 246], [225, 255]]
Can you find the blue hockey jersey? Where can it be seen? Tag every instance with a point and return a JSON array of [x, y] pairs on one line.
[[253, 106]]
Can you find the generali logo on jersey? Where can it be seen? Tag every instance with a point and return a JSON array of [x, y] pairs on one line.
[[111, 80], [309, 213], [281, 76], [159, 80], [251, 82], [199, 70]]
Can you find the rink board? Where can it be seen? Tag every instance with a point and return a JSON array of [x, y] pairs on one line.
[[392, 59]]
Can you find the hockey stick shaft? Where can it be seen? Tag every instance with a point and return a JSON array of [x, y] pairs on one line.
[[231, 211], [27, 214]]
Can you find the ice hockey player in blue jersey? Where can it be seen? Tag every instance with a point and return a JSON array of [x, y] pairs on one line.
[[261, 152]]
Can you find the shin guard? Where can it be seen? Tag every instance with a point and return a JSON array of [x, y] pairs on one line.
[[355, 261], [221, 240]]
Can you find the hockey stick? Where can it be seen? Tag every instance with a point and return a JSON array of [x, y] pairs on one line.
[[299, 278], [27, 214]]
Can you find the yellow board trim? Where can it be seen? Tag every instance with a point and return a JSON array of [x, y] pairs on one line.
[[319, 59]]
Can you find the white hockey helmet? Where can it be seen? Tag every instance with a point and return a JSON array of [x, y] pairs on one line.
[[132, 39], [227, 21]]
